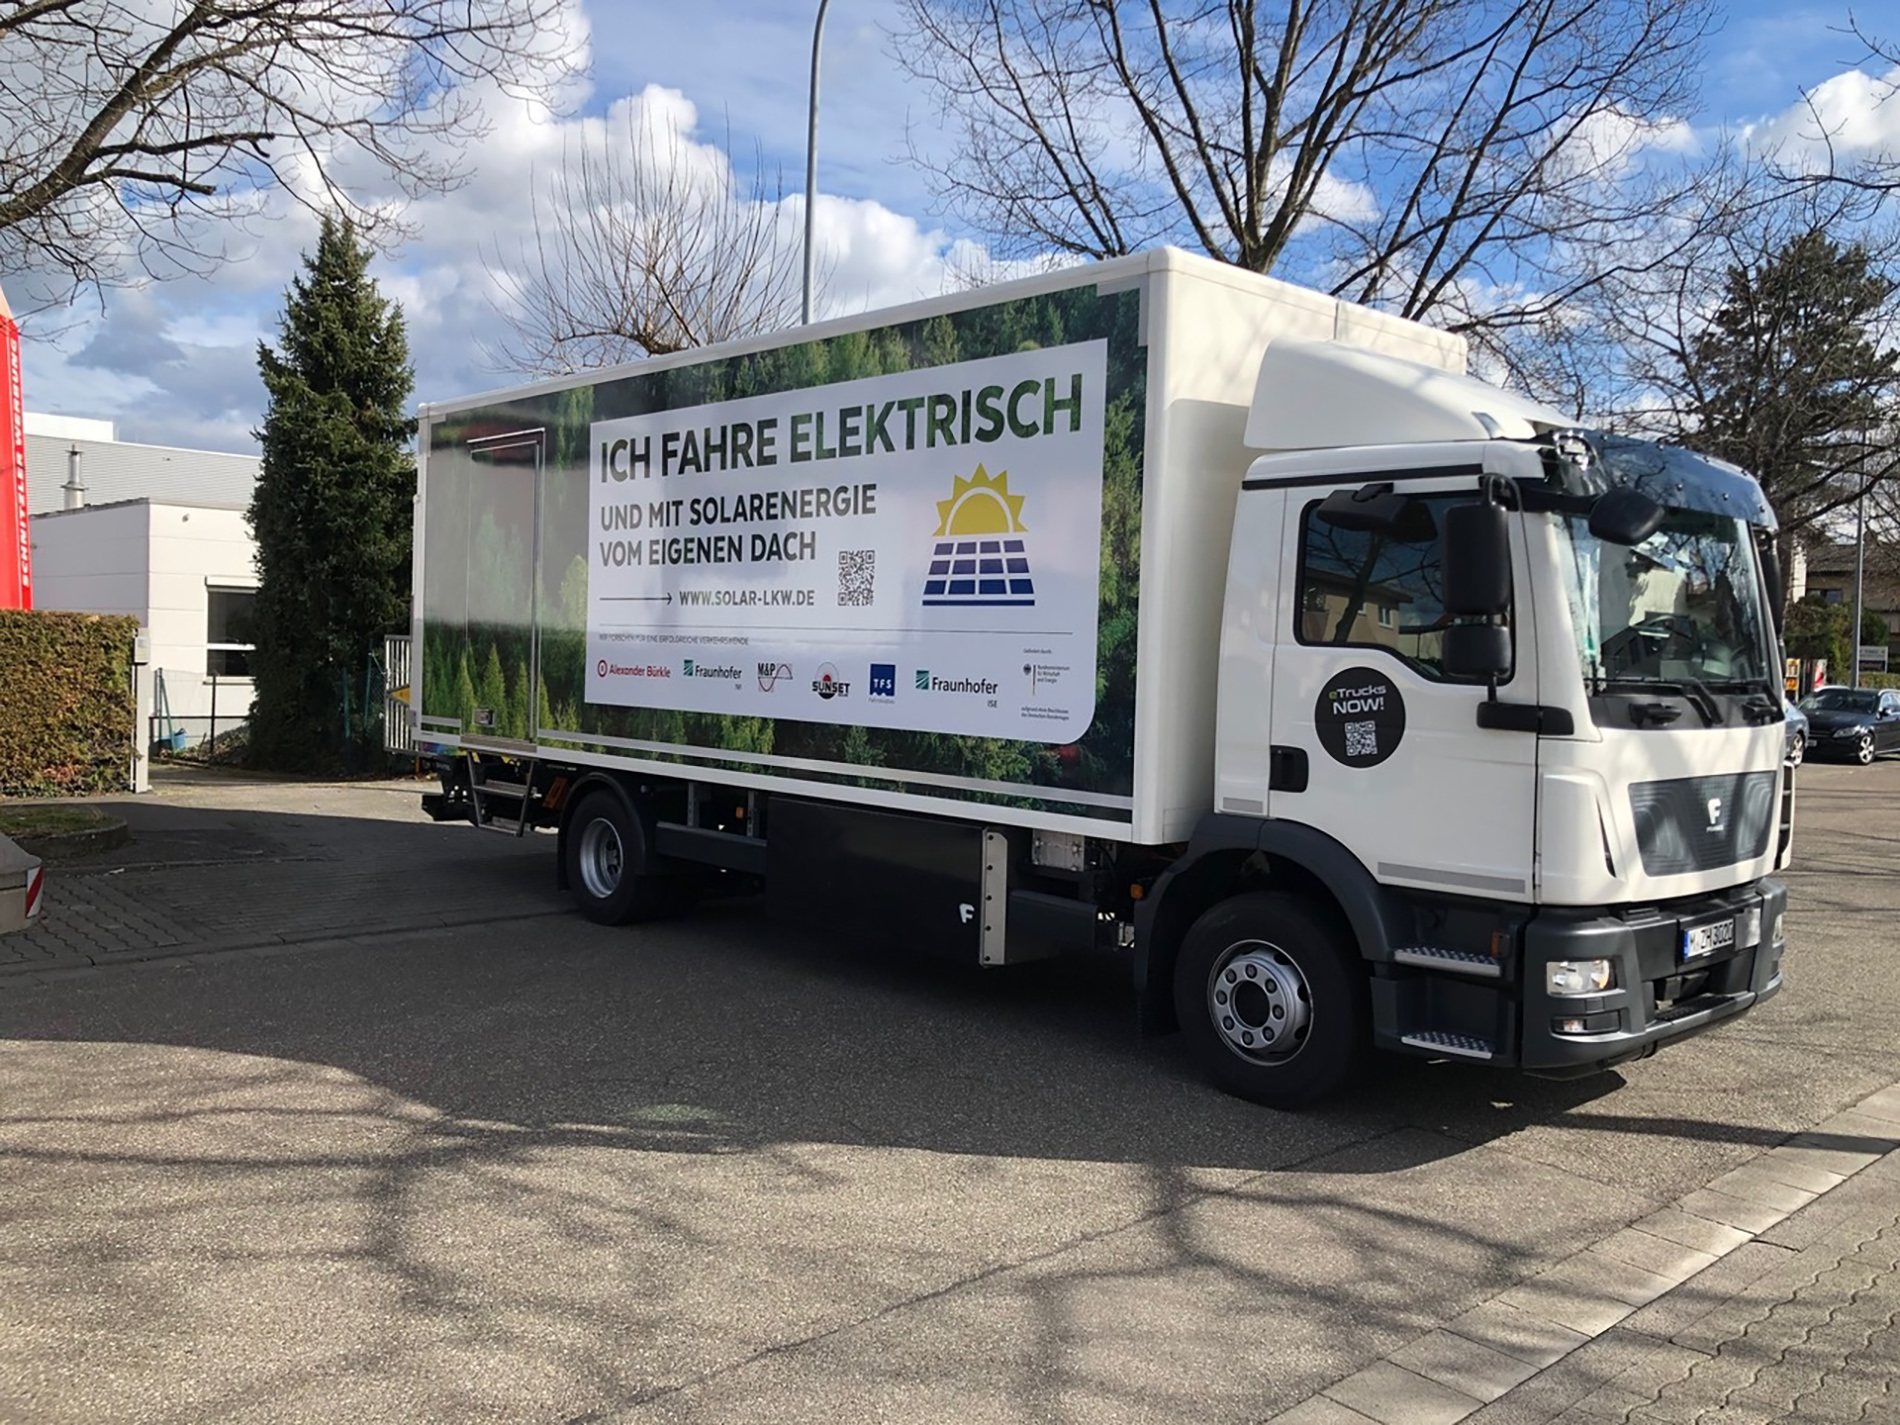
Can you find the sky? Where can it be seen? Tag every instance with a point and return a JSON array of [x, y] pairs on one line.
[[175, 363]]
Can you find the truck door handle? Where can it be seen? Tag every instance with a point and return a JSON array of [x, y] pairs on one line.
[[1286, 769]]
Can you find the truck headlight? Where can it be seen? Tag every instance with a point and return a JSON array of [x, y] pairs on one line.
[[1578, 977]]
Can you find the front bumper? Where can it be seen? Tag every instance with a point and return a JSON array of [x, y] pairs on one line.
[[1656, 997]]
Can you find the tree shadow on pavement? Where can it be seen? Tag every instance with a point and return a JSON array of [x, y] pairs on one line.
[[530, 1168]]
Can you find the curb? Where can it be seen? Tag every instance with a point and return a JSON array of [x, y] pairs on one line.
[[1458, 1369], [58, 846], [75, 966]]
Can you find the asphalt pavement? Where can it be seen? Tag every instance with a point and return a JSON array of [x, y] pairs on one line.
[[382, 1131]]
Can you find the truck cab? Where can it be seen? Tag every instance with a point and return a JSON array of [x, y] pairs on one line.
[[1499, 704]]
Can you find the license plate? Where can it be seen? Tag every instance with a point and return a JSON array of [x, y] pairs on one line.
[[1701, 941]]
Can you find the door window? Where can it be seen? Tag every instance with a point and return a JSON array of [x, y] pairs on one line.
[[1361, 589]]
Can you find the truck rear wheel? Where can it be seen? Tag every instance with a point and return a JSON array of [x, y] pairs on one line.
[[1272, 1004], [606, 865]]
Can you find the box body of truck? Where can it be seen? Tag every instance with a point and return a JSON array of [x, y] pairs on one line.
[[965, 557]]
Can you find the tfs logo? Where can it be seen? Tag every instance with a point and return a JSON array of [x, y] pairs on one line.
[[884, 680]]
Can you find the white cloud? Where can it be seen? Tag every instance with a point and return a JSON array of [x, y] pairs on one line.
[[1852, 116], [1607, 145]]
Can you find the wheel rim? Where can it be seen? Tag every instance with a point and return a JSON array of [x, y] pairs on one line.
[[601, 858], [1260, 1003], [1866, 752], [1797, 751]]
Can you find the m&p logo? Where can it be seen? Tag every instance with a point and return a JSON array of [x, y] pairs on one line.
[[883, 680], [980, 556]]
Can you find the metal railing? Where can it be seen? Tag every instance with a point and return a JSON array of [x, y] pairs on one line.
[[398, 735]]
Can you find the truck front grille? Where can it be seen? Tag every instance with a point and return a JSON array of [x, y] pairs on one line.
[[1691, 824]]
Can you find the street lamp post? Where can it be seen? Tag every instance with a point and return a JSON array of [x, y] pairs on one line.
[[811, 151], [1860, 575]]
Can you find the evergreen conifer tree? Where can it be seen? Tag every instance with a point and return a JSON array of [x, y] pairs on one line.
[[1790, 382], [331, 513]]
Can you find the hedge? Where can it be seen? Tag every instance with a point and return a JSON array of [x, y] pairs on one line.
[[66, 710]]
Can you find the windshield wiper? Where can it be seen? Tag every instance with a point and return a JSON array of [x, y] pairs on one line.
[[1692, 690], [1703, 701]]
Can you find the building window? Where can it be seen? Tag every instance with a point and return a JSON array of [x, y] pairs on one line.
[[1832, 596], [228, 623]]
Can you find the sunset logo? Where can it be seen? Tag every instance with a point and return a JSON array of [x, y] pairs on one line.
[[980, 556]]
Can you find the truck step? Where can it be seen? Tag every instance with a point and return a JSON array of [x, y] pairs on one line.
[[506, 825], [1464, 1046], [516, 791], [1459, 962]]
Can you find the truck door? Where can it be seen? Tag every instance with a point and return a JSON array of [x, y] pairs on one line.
[[1396, 767], [481, 503]]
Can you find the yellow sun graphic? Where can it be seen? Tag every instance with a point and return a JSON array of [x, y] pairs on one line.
[[981, 505]]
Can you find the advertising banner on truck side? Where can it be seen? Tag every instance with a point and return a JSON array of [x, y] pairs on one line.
[[918, 551], [909, 553]]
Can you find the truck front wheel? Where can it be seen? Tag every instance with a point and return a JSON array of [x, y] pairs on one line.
[[606, 865], [1273, 1006]]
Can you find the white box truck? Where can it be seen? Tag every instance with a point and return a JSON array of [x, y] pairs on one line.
[[1150, 607]]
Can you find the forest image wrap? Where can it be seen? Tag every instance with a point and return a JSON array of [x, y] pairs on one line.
[[517, 494]]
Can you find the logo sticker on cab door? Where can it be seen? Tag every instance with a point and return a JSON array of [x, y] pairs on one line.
[[1360, 717]]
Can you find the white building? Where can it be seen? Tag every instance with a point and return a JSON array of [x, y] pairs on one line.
[[74, 461], [158, 533], [187, 572]]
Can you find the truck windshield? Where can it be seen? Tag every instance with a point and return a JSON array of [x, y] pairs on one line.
[[1681, 611]]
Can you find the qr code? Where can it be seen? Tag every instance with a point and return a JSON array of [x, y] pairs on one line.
[[1362, 739], [857, 577]]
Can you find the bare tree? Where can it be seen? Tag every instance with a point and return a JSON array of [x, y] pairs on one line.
[[1474, 162], [1767, 338], [132, 130], [644, 243]]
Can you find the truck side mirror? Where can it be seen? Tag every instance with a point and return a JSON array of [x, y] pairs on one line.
[[1477, 553], [1624, 516], [1477, 650]]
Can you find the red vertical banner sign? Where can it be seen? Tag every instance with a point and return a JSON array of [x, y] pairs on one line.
[[16, 534]]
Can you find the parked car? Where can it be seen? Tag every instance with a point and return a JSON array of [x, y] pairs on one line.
[[1797, 724], [1855, 724]]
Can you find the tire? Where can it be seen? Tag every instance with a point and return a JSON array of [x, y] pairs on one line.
[[605, 850], [1797, 750], [1864, 749], [1269, 964]]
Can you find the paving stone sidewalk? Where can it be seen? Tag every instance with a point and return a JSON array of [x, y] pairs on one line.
[[229, 864], [1790, 1311]]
